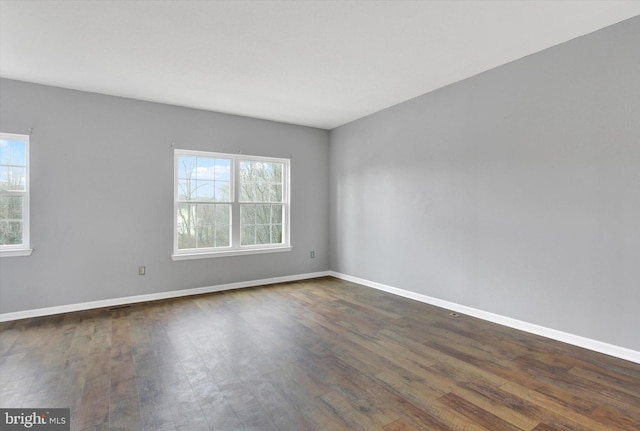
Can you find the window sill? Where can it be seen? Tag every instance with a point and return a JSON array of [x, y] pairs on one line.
[[16, 252], [241, 252]]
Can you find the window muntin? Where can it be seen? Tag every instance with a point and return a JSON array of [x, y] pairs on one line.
[[230, 204], [14, 195]]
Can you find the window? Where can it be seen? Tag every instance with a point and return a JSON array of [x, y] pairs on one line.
[[229, 204], [14, 195]]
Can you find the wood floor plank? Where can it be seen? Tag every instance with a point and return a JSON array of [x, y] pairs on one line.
[[300, 393], [347, 413], [8, 337], [555, 406], [317, 355], [283, 414], [475, 413], [607, 379], [361, 391], [585, 388], [400, 425]]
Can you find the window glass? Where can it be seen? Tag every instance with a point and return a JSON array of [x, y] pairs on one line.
[[14, 194]]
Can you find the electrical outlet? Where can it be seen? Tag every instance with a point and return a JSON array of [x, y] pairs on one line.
[[141, 270], [313, 255]]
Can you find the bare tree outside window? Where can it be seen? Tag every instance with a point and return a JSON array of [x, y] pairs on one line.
[[261, 208], [13, 187], [204, 196]]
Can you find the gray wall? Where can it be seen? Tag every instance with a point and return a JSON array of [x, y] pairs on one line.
[[516, 191], [102, 196]]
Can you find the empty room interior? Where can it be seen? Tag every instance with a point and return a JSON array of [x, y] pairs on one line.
[[320, 215]]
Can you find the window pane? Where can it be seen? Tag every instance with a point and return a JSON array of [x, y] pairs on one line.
[[187, 214], [206, 235], [204, 190], [276, 214], [187, 167], [223, 191], [276, 234], [12, 178], [247, 170], [10, 232], [277, 172], [214, 224], [275, 193], [223, 236], [11, 208], [263, 214], [222, 170], [247, 235], [247, 214], [222, 215], [205, 214], [204, 168], [261, 192], [263, 234], [186, 190], [13, 153], [186, 239], [247, 192], [186, 226]]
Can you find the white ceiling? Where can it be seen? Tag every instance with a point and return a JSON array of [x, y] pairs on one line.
[[315, 63]]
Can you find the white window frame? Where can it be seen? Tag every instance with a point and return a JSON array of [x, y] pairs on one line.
[[23, 249], [236, 249]]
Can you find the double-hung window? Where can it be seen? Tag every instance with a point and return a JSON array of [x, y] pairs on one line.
[[227, 204], [14, 195]]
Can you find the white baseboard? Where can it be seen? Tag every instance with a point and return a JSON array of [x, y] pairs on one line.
[[576, 340], [4, 317]]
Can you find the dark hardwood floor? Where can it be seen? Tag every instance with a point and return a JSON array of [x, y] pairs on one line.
[[321, 355]]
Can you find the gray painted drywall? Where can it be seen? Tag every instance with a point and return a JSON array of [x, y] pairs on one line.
[[516, 191], [102, 191]]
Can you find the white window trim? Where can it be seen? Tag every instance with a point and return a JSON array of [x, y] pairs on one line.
[[237, 250], [24, 249]]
